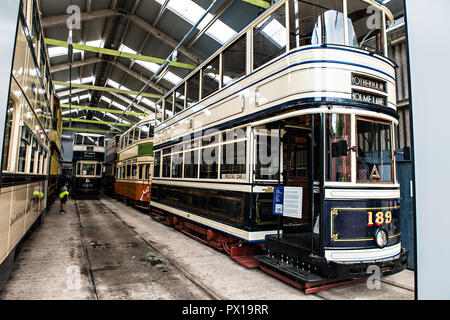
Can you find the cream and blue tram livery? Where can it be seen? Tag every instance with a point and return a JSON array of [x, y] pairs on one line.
[[88, 161], [303, 97], [27, 133]]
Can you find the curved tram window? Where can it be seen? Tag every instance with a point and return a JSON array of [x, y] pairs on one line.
[[374, 157]]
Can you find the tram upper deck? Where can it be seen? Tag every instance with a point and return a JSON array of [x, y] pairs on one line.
[[296, 55]]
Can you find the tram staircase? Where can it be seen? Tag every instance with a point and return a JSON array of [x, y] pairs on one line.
[[287, 258]]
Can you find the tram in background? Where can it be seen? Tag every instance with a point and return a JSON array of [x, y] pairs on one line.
[[88, 160], [55, 172], [109, 177], [26, 146], [135, 164], [304, 97]]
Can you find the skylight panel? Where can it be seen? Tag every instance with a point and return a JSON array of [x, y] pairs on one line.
[[276, 32], [192, 12]]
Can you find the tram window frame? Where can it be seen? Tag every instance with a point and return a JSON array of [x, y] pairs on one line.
[[168, 106], [237, 167], [226, 53], [136, 133], [392, 155], [332, 161], [147, 171], [177, 165], [206, 169], [166, 165], [206, 92], [33, 152], [257, 176], [9, 123], [191, 170], [177, 91], [157, 164], [98, 169], [145, 125], [195, 97], [140, 170], [257, 63]]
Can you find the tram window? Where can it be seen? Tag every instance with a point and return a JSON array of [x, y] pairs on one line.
[[212, 139], [158, 116], [191, 164], [374, 155], [365, 26], [147, 172], [130, 137], [234, 58], [128, 173], [39, 159], [209, 163], [157, 166], [101, 141], [34, 148], [269, 38], [133, 171], [233, 160], [168, 109], [338, 130], [98, 170], [210, 77], [8, 130], [316, 22], [78, 140], [193, 89], [136, 134], [177, 165], [179, 99], [140, 172], [267, 154], [144, 130], [88, 169], [166, 166]]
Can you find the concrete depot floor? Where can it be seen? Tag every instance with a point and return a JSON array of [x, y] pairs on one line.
[[120, 240]]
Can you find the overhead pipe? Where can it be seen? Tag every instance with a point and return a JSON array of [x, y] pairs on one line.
[[166, 63]]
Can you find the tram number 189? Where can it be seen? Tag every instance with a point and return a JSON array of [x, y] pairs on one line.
[[379, 218]]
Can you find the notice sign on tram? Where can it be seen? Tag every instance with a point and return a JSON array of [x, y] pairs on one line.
[[287, 201]]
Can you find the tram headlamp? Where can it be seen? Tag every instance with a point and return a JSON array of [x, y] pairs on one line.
[[381, 238]]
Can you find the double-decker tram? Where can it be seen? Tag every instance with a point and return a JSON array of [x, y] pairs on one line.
[[88, 160], [26, 141], [135, 164], [109, 176], [55, 176], [301, 101]]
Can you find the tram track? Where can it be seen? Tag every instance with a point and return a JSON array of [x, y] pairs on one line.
[[106, 208], [207, 293], [87, 263]]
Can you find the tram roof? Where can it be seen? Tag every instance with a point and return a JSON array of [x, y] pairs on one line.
[[144, 27]]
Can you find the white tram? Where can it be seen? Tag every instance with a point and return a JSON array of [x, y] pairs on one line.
[[27, 135], [88, 161], [303, 97]]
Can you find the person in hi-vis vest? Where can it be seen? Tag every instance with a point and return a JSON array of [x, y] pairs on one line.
[[63, 196]]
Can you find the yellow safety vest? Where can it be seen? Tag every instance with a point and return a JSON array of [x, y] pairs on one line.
[[62, 194]]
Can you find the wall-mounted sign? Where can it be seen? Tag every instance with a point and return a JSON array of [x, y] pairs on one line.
[[368, 82], [287, 202], [368, 97]]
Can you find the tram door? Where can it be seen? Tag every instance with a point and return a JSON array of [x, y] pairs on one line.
[[297, 168]]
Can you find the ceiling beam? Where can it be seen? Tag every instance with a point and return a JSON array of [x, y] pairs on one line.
[[108, 89], [117, 53], [61, 19], [90, 130], [53, 21], [97, 122], [75, 64], [92, 108]]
